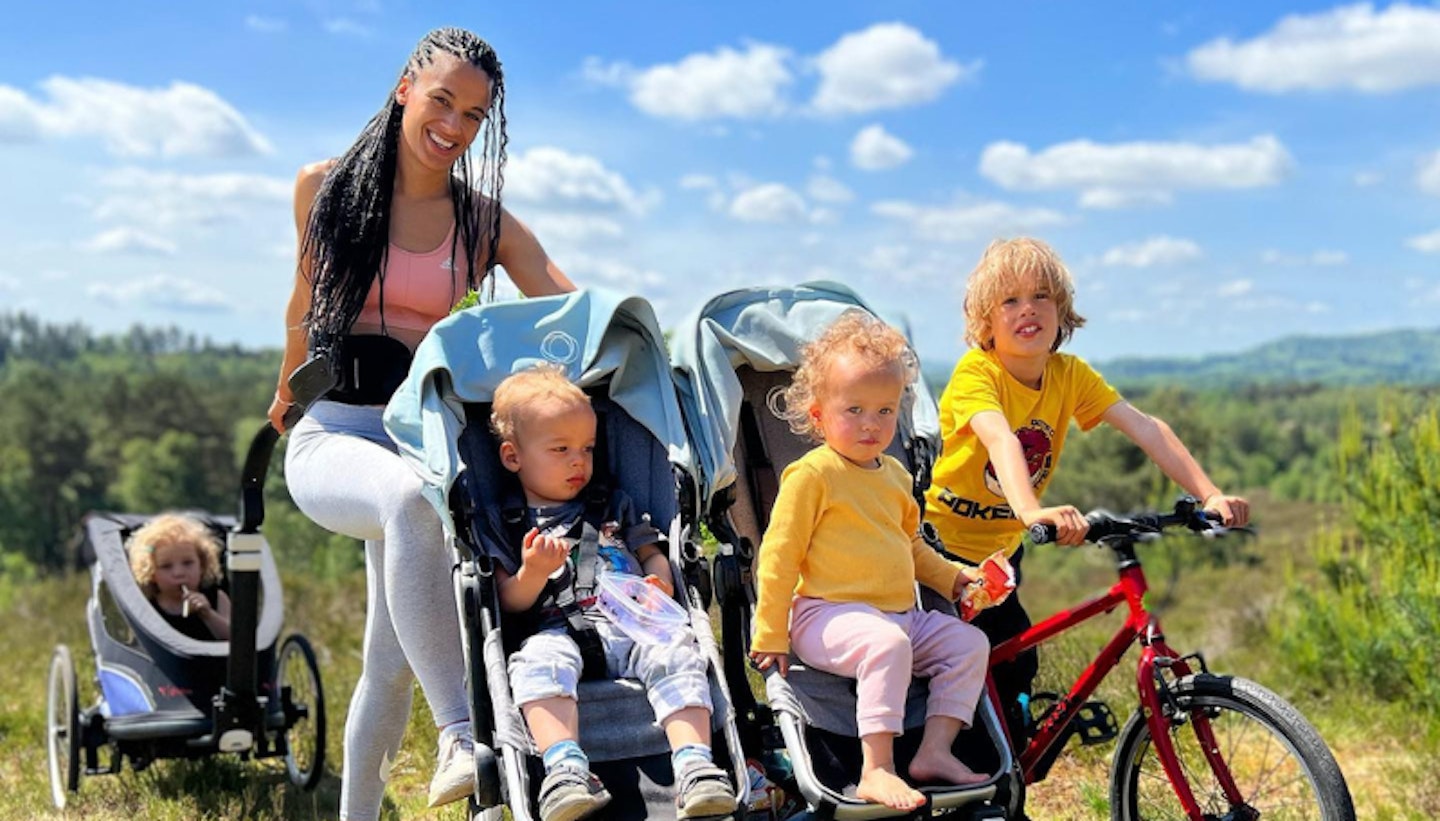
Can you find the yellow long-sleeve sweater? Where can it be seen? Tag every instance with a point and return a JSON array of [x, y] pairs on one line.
[[842, 533]]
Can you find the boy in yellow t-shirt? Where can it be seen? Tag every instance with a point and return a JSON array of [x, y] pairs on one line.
[[1004, 418]]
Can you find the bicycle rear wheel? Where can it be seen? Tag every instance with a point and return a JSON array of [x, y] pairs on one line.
[[1282, 768]]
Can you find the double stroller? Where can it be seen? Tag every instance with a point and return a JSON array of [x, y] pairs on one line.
[[733, 359], [612, 347], [166, 695], [690, 443]]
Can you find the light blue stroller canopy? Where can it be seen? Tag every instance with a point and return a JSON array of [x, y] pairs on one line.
[[593, 334], [764, 328]]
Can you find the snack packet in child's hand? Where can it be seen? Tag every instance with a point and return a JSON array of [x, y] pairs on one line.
[[997, 579]]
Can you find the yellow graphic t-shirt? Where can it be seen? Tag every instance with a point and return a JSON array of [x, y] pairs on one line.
[[964, 501]]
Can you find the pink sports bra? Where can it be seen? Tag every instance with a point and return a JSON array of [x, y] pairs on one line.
[[420, 288]]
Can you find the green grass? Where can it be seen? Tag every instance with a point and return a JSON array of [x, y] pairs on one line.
[[1387, 753]]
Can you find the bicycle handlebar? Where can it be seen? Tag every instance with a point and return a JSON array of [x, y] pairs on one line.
[[1105, 525]]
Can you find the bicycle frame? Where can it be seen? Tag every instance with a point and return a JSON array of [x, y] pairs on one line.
[[1156, 657]]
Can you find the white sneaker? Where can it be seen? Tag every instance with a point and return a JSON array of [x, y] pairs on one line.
[[455, 770]]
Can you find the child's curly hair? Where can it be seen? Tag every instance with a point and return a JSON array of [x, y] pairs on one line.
[[1006, 267], [168, 530], [518, 394], [859, 334]]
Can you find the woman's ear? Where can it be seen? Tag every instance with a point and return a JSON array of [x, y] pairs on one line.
[[402, 91]]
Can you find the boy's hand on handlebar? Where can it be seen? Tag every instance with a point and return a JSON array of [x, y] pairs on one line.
[[543, 554], [764, 660], [1069, 522], [1234, 511]]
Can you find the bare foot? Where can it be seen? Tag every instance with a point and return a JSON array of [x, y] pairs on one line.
[[942, 767], [885, 787]]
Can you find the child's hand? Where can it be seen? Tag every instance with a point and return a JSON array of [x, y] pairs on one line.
[[195, 603], [1069, 522], [1234, 510], [543, 554], [764, 660], [665, 587]]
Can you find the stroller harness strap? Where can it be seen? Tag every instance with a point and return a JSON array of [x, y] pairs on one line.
[[570, 594]]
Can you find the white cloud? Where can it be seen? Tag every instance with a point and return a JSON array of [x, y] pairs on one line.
[[129, 241], [1428, 176], [1238, 287], [179, 121], [161, 199], [724, 83], [1322, 257], [822, 188], [1152, 252], [889, 65], [1367, 179], [768, 202], [18, 120], [554, 177], [698, 182], [959, 223], [265, 25], [1425, 243], [346, 27], [1135, 172], [875, 149], [1350, 47], [1109, 199], [576, 228], [617, 274], [162, 291]]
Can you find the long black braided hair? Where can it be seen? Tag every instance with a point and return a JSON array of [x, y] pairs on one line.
[[348, 231]]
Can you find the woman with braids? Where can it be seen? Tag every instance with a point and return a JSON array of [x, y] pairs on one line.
[[392, 234]]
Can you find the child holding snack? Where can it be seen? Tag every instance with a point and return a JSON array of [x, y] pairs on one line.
[[176, 561], [844, 513]]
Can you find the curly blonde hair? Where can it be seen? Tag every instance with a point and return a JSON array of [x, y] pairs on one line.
[[169, 530], [518, 394], [856, 333], [1008, 266]]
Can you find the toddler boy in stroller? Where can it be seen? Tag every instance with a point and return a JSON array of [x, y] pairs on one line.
[[547, 429], [612, 348]]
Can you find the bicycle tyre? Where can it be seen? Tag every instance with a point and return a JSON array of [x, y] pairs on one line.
[[1304, 782]]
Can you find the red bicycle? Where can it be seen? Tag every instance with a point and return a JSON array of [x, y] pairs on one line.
[[1201, 746]]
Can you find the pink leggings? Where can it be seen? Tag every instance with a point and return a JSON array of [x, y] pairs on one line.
[[881, 651]]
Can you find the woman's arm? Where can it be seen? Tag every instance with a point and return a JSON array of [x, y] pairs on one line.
[[529, 267], [307, 185], [1172, 457]]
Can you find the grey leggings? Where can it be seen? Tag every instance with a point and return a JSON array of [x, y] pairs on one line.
[[343, 472]]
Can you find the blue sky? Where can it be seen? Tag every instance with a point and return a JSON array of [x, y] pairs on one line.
[[1216, 174]]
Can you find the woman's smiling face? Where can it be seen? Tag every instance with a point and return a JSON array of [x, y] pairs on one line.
[[445, 105]]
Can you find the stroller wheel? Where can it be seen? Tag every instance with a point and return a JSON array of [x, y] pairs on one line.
[[62, 722], [297, 679]]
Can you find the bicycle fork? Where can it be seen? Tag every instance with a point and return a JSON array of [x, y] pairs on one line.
[[1159, 666]]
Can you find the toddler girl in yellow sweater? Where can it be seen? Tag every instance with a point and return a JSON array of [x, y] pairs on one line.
[[841, 556]]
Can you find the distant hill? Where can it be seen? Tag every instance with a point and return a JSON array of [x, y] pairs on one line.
[[1406, 357]]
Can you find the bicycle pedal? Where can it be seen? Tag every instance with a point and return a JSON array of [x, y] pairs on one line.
[[1095, 723]]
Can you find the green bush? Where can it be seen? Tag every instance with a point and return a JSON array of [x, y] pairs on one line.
[[1372, 621]]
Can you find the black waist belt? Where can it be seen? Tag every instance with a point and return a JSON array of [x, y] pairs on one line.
[[368, 369]]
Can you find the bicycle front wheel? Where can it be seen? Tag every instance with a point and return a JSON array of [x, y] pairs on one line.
[[1281, 769]]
